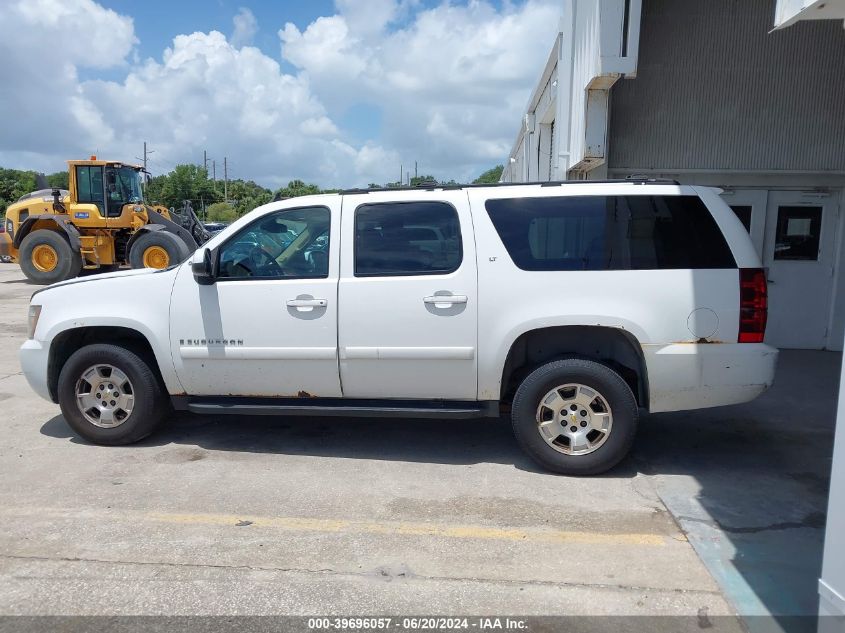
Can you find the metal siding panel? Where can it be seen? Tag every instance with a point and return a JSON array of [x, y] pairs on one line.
[[715, 90]]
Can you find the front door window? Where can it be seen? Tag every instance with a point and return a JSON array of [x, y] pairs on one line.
[[291, 244]]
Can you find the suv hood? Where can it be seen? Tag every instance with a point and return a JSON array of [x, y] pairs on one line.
[[137, 272]]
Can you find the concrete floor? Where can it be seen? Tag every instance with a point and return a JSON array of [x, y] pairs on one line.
[[302, 516]]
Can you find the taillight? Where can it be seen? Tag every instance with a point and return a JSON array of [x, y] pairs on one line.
[[753, 305]]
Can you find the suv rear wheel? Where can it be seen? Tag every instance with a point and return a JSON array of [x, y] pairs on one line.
[[575, 417], [110, 395]]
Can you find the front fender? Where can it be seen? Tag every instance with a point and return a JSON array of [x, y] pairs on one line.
[[61, 222], [161, 349], [139, 302]]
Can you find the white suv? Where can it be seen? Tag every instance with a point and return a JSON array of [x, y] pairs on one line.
[[573, 305]]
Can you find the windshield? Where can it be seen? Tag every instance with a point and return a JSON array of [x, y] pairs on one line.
[[123, 185]]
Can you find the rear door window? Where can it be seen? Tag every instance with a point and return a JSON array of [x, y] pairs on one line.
[[609, 233], [406, 238]]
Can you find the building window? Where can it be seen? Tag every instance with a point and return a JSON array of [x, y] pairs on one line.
[[798, 233]]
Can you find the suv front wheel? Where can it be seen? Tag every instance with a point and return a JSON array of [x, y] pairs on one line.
[[109, 395], [575, 417]]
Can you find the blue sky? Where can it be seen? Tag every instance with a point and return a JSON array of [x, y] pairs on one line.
[[338, 92], [157, 22]]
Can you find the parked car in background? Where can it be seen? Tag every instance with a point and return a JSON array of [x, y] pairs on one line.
[[5, 244], [215, 227], [570, 306]]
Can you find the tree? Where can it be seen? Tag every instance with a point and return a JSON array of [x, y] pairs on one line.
[[247, 195], [490, 176], [418, 180], [187, 182], [297, 188], [58, 180], [14, 183], [221, 212]]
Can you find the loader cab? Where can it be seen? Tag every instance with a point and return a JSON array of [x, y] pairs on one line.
[[105, 185]]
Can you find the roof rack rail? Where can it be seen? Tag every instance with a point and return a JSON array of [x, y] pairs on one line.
[[428, 185]]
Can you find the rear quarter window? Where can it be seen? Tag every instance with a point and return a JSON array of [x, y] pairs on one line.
[[610, 233]]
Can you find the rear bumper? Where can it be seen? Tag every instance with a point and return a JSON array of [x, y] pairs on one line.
[[33, 356], [696, 376]]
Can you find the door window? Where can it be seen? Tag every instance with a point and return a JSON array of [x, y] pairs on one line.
[[89, 185], [798, 233], [289, 244], [406, 238]]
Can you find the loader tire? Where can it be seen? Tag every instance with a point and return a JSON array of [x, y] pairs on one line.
[[158, 249], [46, 257]]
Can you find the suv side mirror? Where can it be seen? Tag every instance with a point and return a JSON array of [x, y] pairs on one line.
[[203, 267]]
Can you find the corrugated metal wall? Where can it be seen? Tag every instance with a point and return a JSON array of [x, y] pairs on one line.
[[715, 90]]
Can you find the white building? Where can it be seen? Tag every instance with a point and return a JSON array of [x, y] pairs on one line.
[[708, 93]]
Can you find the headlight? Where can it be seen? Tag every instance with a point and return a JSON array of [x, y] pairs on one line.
[[10, 228], [32, 320]]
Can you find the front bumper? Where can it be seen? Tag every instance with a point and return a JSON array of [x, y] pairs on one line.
[[685, 376], [34, 356]]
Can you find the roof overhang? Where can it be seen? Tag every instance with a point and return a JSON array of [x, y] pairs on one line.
[[788, 12]]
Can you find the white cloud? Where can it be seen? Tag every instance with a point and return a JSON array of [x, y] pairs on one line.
[[368, 17], [44, 110], [246, 26], [326, 48], [448, 84], [451, 82]]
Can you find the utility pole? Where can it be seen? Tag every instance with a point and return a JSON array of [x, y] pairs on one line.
[[415, 170], [225, 180], [214, 173], [205, 161], [145, 155], [400, 174]]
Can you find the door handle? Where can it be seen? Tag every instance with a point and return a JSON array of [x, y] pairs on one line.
[[307, 303], [446, 299]]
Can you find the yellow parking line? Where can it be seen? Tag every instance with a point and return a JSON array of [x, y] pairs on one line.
[[302, 524]]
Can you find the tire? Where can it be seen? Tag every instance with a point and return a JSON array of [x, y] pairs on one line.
[[594, 451], [46, 257], [84, 371], [158, 249]]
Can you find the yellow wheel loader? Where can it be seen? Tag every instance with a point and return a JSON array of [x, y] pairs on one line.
[[101, 222]]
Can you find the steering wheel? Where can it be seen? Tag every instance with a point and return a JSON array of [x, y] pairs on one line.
[[264, 263]]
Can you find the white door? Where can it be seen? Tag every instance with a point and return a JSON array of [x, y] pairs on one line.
[[408, 300], [268, 325], [799, 257]]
